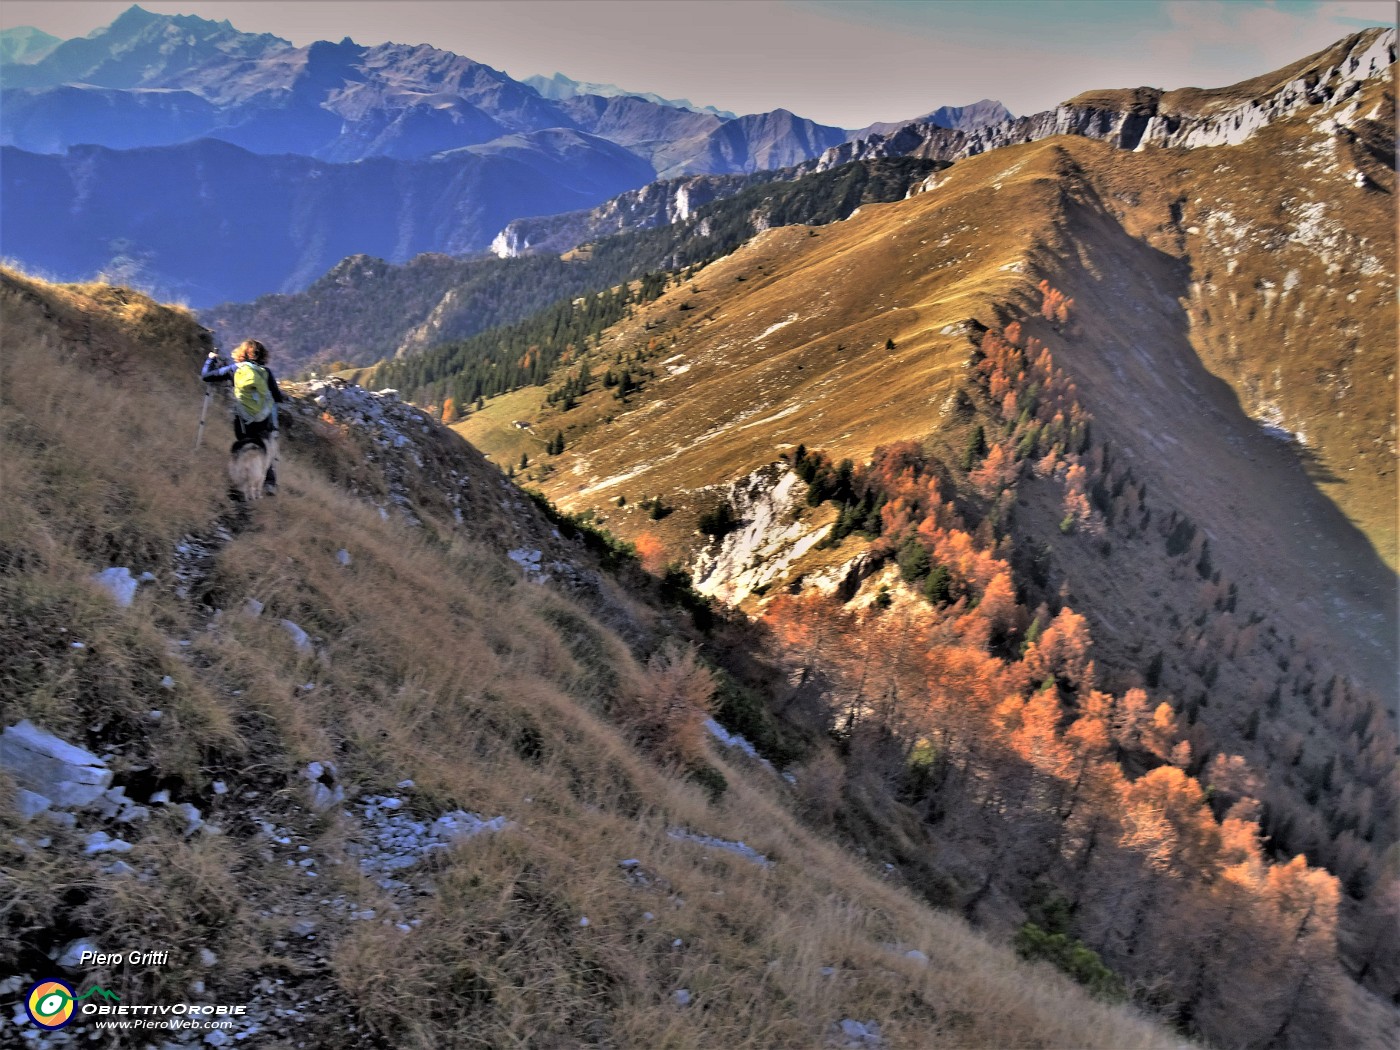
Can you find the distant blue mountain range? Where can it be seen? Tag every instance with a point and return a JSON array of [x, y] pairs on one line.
[[115, 158]]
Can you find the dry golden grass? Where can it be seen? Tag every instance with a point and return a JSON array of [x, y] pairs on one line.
[[437, 661], [1213, 286]]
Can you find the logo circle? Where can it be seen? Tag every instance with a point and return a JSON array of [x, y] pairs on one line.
[[50, 1004]]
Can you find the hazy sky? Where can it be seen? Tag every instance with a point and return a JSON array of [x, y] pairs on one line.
[[843, 62]]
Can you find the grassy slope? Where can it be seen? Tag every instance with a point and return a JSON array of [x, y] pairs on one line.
[[435, 658], [1164, 361], [1099, 223]]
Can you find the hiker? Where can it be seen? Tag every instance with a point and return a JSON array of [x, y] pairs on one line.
[[255, 398]]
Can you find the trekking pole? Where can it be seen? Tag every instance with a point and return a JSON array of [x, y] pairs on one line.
[[204, 412]]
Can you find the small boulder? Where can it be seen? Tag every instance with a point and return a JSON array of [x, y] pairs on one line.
[[325, 791], [30, 804], [194, 820], [852, 1034], [101, 842], [299, 637], [111, 802], [119, 583], [71, 955], [39, 761]]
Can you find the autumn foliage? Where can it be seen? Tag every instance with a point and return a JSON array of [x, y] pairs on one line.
[[988, 718]]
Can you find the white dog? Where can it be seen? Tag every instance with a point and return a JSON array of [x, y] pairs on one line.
[[248, 465]]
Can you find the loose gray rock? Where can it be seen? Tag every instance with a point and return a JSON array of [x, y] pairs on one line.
[[40, 762], [30, 804], [194, 820], [325, 791], [119, 583], [742, 849], [72, 952], [299, 637], [853, 1034], [101, 842], [111, 802]]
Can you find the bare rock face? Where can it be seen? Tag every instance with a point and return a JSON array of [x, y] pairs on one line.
[[1146, 117], [770, 537], [67, 776]]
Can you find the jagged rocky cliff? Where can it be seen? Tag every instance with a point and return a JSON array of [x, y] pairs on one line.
[[657, 204], [1139, 118]]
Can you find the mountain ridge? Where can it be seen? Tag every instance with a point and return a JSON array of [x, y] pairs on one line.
[[562, 87], [1165, 531], [260, 92], [1149, 117]]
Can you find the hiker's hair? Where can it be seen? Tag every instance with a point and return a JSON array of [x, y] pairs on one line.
[[250, 350]]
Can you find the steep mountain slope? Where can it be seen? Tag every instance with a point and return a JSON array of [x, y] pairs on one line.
[[348, 725], [1304, 203], [208, 222], [805, 330], [1088, 394]]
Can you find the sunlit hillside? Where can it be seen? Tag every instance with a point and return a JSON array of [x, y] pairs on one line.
[[1132, 408], [403, 762]]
